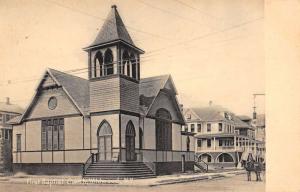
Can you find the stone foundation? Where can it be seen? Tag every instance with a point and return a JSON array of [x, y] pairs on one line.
[[48, 168]]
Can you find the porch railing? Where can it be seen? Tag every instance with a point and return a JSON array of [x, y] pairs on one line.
[[202, 165]]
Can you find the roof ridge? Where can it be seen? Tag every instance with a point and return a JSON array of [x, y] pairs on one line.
[[155, 77], [67, 74]]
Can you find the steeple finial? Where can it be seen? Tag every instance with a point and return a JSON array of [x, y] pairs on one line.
[[114, 7]]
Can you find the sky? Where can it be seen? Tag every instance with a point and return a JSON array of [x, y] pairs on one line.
[[213, 49]]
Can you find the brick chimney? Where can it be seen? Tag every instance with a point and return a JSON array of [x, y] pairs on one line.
[[7, 101]]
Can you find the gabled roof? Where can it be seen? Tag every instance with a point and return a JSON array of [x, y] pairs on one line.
[[238, 123], [244, 117], [8, 107], [15, 120], [149, 89], [113, 29], [78, 91], [211, 113], [77, 88]]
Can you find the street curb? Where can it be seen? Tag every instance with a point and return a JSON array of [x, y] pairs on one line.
[[186, 180], [153, 184]]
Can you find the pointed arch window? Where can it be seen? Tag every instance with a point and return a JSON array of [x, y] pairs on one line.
[[133, 66], [98, 65], [163, 126], [125, 62], [108, 62]]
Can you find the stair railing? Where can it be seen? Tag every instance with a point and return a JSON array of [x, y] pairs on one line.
[[202, 165], [141, 158], [88, 162]]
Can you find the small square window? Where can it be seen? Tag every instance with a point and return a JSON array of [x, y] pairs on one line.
[[220, 142], [192, 128], [199, 127], [208, 127], [220, 127], [208, 143], [186, 128], [199, 142]]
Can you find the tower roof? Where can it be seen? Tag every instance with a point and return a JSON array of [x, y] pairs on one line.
[[113, 29]]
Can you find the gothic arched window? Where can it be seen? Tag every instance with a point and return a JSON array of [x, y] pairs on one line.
[[98, 65], [108, 62], [133, 65], [163, 126], [125, 61]]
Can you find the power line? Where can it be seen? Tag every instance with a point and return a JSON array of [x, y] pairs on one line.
[[174, 45], [198, 10], [208, 34], [70, 72], [171, 13], [95, 16]]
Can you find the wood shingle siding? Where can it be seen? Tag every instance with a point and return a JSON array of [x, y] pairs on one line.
[[105, 95], [115, 93], [129, 95]]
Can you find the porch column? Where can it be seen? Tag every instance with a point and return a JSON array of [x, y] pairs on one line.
[[248, 142], [255, 152], [214, 143], [234, 143]]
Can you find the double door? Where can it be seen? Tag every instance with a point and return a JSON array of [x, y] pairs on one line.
[[104, 148]]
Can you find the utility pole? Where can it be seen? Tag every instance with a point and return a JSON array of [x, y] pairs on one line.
[[254, 103], [254, 121]]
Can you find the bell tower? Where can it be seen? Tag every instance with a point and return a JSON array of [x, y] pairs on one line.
[[114, 68]]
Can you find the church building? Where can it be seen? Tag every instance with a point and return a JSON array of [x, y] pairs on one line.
[[113, 124]]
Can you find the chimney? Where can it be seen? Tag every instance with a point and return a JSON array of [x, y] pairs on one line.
[[210, 103], [7, 101]]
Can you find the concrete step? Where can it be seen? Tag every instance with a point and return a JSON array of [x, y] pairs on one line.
[[114, 170], [118, 170]]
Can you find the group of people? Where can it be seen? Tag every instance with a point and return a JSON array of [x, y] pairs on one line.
[[253, 166]]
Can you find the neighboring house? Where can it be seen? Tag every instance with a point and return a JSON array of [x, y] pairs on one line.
[[7, 112], [222, 139], [114, 117]]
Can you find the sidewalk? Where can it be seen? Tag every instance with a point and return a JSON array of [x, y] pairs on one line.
[[77, 180]]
